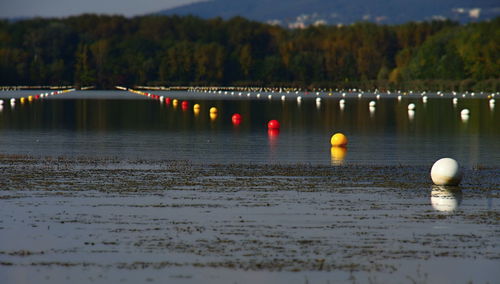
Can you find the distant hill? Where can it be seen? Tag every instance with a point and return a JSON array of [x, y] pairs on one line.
[[298, 13]]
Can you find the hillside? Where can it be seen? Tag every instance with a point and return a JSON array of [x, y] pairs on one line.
[[297, 13]]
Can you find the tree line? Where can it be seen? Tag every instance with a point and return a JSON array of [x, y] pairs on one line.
[[171, 50]]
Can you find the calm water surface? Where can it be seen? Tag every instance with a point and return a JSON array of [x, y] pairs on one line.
[[115, 187], [126, 125]]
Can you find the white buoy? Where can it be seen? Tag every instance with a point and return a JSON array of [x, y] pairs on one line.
[[299, 99], [342, 102], [399, 98], [360, 96], [446, 171], [465, 112], [318, 100], [258, 96], [269, 97], [424, 99], [411, 106], [343, 95], [12, 101], [455, 101], [1, 102], [378, 97], [283, 98], [248, 95], [372, 104]]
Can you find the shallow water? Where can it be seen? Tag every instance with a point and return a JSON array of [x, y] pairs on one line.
[[113, 187]]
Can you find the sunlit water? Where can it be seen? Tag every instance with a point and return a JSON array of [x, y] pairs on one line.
[[114, 187], [126, 125]]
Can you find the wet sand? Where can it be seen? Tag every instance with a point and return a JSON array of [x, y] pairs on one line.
[[84, 220]]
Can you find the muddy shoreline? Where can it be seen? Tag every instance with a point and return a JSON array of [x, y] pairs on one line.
[[63, 216]]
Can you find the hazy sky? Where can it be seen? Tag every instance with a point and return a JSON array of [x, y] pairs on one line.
[[63, 8]]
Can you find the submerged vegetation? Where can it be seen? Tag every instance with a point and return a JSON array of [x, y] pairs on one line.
[[172, 50]]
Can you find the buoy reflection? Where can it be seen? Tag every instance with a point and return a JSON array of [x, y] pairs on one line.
[[213, 116], [445, 198], [338, 155], [411, 114]]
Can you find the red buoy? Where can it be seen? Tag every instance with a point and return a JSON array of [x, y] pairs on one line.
[[168, 101], [185, 105], [273, 124], [236, 118]]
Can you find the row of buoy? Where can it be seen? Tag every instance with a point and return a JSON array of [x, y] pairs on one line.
[[444, 172], [32, 98]]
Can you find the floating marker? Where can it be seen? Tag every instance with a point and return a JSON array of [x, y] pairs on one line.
[[236, 119], [424, 99], [283, 98], [213, 110], [1, 102], [318, 100], [185, 105], [446, 171], [455, 101], [378, 97], [372, 104], [399, 98], [299, 99], [196, 107], [338, 140], [168, 101], [269, 97], [175, 102], [273, 124], [465, 112], [411, 106]]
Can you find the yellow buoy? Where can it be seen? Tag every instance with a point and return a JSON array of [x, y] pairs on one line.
[[175, 102], [196, 111], [339, 140], [213, 110], [196, 107], [30, 98], [22, 100], [213, 116]]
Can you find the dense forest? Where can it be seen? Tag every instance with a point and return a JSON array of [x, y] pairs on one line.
[[170, 50]]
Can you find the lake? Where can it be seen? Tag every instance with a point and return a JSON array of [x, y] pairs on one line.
[[117, 187], [126, 125]]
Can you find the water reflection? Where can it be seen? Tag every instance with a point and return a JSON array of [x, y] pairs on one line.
[[464, 117], [411, 114], [213, 116], [416, 139], [338, 155], [446, 198]]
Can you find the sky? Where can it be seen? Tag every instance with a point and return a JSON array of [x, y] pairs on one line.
[[63, 8]]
